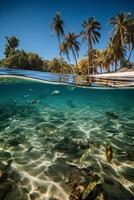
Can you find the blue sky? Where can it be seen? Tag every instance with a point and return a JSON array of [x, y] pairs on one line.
[[30, 20]]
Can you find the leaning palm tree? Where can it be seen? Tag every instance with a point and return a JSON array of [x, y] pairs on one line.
[[123, 35], [58, 28], [121, 22], [65, 51], [73, 45], [91, 34]]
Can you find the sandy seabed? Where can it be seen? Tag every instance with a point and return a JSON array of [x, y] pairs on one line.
[[57, 140]]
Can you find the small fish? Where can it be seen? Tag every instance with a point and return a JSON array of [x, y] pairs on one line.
[[29, 149], [108, 153], [56, 92], [27, 95], [90, 187], [34, 101]]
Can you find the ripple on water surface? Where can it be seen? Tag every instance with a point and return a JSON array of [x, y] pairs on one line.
[[57, 139]]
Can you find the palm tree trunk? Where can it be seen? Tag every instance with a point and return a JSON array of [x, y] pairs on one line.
[[88, 70], [100, 69], [60, 54], [74, 74], [75, 59], [73, 71], [88, 63], [112, 67], [90, 49], [130, 54], [122, 40], [68, 58], [88, 57], [116, 65]]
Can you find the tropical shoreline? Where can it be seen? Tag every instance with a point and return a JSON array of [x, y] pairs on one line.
[[123, 79]]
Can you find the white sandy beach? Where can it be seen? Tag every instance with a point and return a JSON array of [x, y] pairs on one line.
[[115, 74]]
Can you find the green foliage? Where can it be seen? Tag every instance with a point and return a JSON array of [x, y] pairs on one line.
[[23, 60], [11, 45], [15, 58], [55, 66], [34, 61], [45, 65]]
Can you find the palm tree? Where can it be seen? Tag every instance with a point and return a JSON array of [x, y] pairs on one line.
[[73, 45], [12, 44], [123, 35], [106, 60], [54, 65], [121, 22], [58, 28], [83, 65], [103, 60], [116, 54], [92, 56], [99, 59], [91, 34], [65, 50]]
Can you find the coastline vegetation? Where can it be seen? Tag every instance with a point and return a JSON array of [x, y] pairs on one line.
[[115, 56]]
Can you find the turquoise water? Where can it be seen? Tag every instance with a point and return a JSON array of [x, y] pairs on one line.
[[54, 131]]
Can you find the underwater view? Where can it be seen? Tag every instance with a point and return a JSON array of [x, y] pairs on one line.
[[54, 142]]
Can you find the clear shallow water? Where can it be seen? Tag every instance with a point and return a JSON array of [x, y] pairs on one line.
[[51, 137]]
